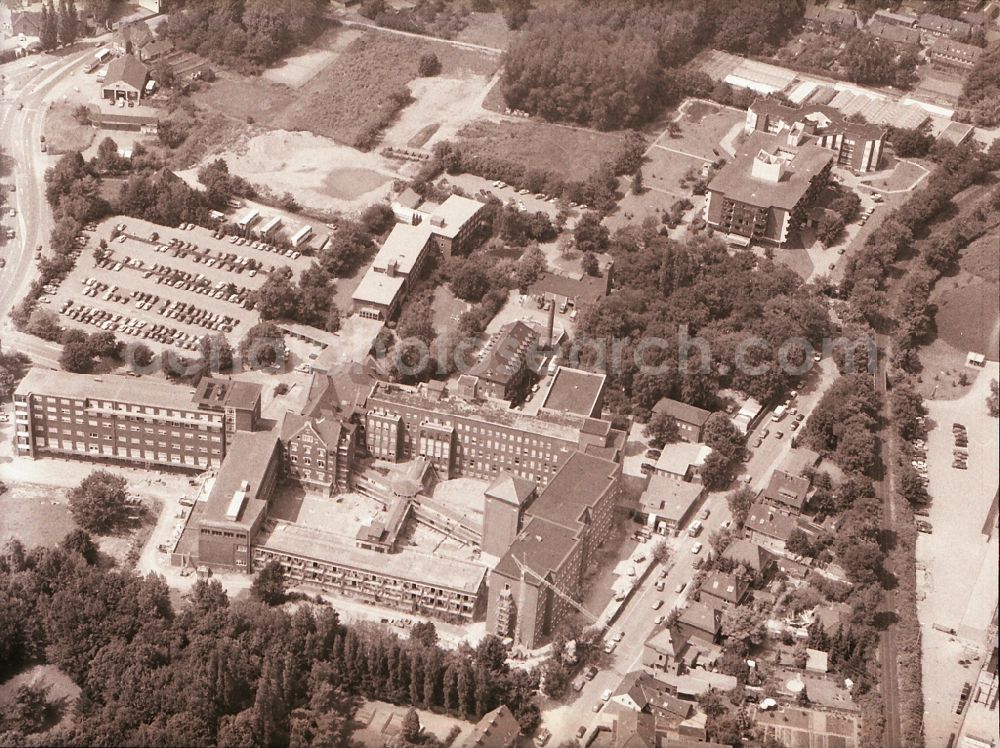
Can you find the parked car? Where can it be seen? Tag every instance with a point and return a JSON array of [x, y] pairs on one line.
[[680, 587], [542, 737], [923, 526], [653, 454], [581, 731], [606, 695], [696, 548], [657, 604]]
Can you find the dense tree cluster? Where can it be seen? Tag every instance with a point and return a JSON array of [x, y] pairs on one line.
[[980, 100], [869, 60], [225, 673], [613, 65], [221, 186], [245, 36], [844, 422], [13, 366], [60, 26], [98, 503], [673, 293]]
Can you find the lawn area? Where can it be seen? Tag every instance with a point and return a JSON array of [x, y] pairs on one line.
[[798, 260], [664, 169], [703, 126], [980, 258], [447, 309], [63, 133], [486, 29], [34, 514], [573, 154], [901, 177]]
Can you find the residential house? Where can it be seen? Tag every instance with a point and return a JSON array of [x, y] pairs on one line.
[[690, 419], [829, 20], [702, 621], [664, 650], [496, 729], [899, 36], [577, 291], [768, 527], [126, 79], [932, 26], [155, 50], [721, 590], [631, 729], [785, 492], [26, 22], [750, 555], [948, 53], [895, 19], [765, 191], [641, 692], [680, 461], [130, 39]]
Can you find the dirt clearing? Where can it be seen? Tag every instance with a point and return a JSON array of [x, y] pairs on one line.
[[320, 173], [447, 104]]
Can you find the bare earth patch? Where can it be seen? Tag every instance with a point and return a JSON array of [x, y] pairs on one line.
[[447, 104], [320, 173]]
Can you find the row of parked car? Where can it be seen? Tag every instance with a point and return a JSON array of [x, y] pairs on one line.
[[292, 254], [229, 261]]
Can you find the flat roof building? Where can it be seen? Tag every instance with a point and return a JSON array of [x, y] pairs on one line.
[[237, 503], [113, 417], [668, 503], [764, 193], [856, 145], [576, 392]]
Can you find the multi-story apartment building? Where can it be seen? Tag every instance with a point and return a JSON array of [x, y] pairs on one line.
[[531, 587], [856, 145], [113, 417], [466, 437], [765, 192]]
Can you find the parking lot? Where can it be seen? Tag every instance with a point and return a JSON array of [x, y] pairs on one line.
[[165, 286]]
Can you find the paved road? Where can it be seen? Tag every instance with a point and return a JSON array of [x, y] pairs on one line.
[[21, 130], [636, 620]]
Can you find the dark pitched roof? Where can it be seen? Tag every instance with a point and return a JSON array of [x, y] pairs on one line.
[[584, 290], [767, 521], [702, 617], [788, 490], [942, 25], [159, 47], [634, 730], [137, 33], [669, 640], [496, 729], [575, 489], [542, 546], [726, 587], [127, 69], [950, 48], [682, 411], [749, 554], [505, 353], [508, 487]]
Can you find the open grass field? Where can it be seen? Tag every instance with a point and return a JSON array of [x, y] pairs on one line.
[[572, 153], [447, 309], [63, 133], [486, 29], [968, 314], [982, 258]]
